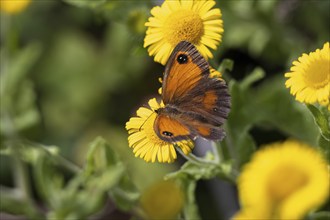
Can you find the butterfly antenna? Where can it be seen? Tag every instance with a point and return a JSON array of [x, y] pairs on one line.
[[146, 121]]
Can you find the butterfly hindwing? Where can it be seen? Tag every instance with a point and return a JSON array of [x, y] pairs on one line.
[[173, 126], [201, 127], [210, 101], [170, 128]]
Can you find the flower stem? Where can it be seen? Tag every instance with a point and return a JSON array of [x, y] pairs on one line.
[[62, 161], [68, 164], [23, 185], [216, 153]]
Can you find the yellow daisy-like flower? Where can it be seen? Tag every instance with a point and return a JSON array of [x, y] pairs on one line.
[[309, 79], [215, 73], [145, 142], [195, 21], [13, 6], [163, 200], [283, 181]]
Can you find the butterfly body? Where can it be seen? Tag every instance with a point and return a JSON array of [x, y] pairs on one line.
[[194, 103]]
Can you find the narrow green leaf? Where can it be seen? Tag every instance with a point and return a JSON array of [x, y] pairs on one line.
[[325, 147], [226, 65], [240, 146], [321, 121], [324, 215], [13, 203], [195, 171], [246, 147], [48, 180], [86, 3], [190, 209], [100, 156], [254, 76], [125, 194], [19, 68], [105, 171], [18, 109]]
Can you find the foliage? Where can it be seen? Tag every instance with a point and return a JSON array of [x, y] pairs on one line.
[[73, 72]]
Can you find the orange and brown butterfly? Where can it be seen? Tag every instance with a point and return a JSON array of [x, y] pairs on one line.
[[193, 105]]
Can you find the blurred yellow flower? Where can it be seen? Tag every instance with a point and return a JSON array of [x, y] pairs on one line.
[[145, 142], [283, 181], [160, 90], [309, 79], [136, 19], [178, 20], [163, 200], [13, 6]]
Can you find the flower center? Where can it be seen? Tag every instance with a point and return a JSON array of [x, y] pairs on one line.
[[150, 133], [317, 74], [287, 180], [183, 25]]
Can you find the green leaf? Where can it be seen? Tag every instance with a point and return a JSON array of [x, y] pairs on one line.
[[100, 157], [105, 171], [28, 151], [106, 180], [195, 171], [125, 194], [238, 145], [268, 106], [13, 203], [274, 107], [18, 109], [190, 209], [48, 179], [20, 64], [253, 77], [324, 215], [321, 121], [243, 150], [86, 3], [324, 144], [226, 65], [104, 174]]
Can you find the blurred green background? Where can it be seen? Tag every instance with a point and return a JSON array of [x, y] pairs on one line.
[[74, 70]]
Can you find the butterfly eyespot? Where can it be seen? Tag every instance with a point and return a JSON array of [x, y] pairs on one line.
[[167, 133], [182, 58], [215, 109]]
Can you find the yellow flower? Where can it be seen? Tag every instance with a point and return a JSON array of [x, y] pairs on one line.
[[13, 6], [136, 19], [163, 200], [160, 90], [174, 21], [215, 73], [309, 79], [283, 181], [145, 142]]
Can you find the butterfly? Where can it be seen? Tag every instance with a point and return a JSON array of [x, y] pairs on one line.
[[194, 103]]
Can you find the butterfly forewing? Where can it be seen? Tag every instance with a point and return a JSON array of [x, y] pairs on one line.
[[185, 68]]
